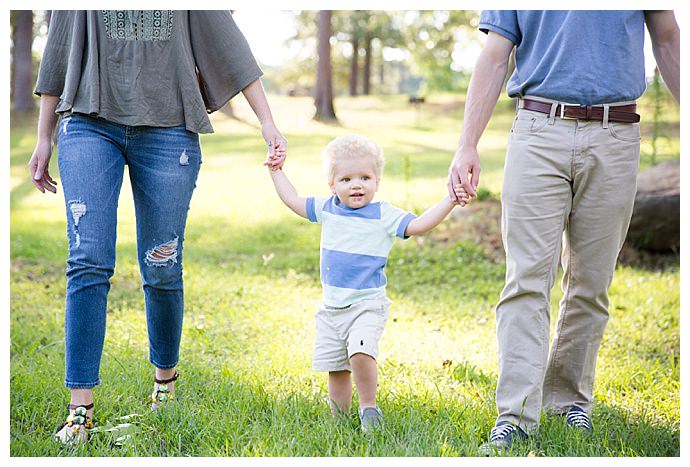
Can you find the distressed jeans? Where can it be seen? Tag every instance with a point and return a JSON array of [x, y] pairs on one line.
[[568, 193], [163, 167]]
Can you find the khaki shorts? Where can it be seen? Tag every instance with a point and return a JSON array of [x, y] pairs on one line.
[[343, 332]]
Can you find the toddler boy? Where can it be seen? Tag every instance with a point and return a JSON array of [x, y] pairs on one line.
[[356, 236]]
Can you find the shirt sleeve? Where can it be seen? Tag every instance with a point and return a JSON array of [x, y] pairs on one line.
[[223, 58], [503, 22], [315, 208], [54, 62], [395, 220]]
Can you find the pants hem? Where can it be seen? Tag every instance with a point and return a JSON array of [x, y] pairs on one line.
[[77, 385]]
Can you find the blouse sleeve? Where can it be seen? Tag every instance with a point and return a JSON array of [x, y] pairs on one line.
[[55, 59], [223, 58]]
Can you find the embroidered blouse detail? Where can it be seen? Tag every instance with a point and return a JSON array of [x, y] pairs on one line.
[[138, 25]]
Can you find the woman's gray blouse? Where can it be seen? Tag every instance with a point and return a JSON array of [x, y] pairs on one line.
[[145, 67]]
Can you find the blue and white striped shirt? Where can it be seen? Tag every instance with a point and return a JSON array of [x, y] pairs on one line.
[[354, 247]]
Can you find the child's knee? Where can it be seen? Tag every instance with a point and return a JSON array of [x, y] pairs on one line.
[[361, 357]]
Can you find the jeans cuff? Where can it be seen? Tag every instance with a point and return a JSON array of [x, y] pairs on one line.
[[78, 385], [164, 367]]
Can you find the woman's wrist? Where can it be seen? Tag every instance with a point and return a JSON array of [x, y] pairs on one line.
[[44, 139], [267, 121]]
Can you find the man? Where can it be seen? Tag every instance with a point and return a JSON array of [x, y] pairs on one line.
[[569, 181]]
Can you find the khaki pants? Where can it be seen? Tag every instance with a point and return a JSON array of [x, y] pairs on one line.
[[568, 183]]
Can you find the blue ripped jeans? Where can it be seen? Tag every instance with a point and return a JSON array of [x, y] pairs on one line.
[[163, 167]]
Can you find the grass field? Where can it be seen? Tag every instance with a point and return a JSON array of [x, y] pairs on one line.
[[252, 287]]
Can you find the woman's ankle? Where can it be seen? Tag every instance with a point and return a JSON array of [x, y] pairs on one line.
[[165, 373], [81, 398]]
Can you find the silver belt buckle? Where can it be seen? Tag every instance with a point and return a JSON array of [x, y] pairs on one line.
[[563, 116]]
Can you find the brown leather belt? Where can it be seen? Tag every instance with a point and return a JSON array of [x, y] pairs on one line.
[[618, 113]]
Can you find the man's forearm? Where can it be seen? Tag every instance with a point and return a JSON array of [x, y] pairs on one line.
[[665, 35], [667, 57], [482, 93]]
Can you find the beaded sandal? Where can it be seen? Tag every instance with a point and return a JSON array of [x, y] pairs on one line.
[[74, 429], [162, 394]]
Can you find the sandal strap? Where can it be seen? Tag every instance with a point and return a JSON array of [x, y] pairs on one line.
[[166, 381], [75, 406], [87, 422]]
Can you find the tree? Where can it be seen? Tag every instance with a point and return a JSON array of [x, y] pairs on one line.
[[22, 62], [363, 29], [323, 99], [353, 24], [354, 65], [431, 37], [366, 76]]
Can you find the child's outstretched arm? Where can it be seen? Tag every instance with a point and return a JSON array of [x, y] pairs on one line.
[[287, 193], [430, 218], [435, 214]]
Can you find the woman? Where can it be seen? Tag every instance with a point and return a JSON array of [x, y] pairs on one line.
[[133, 88]]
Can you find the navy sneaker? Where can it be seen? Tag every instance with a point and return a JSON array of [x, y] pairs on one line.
[[578, 418], [503, 436]]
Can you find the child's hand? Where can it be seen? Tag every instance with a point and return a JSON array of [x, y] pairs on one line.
[[275, 157], [463, 197]]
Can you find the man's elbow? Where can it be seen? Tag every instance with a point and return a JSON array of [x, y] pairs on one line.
[[497, 50], [663, 28]]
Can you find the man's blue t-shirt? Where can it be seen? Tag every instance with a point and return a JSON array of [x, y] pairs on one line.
[[582, 57]]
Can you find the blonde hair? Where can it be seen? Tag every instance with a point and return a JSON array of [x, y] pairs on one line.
[[349, 147]]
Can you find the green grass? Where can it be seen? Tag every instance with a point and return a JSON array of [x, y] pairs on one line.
[[251, 290]]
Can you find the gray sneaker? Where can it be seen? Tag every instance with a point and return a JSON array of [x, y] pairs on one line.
[[371, 419], [503, 436], [579, 419]]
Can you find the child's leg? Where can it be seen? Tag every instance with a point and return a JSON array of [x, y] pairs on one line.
[[364, 371], [339, 391]]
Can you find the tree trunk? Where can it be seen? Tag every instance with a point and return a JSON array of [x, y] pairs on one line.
[[354, 66], [22, 63], [366, 79], [323, 100], [382, 71]]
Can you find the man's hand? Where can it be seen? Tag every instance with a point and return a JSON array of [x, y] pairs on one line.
[[464, 172]]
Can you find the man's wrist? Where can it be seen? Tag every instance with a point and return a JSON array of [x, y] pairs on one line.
[[464, 146]]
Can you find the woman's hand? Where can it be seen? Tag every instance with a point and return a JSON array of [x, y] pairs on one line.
[[277, 146], [38, 167]]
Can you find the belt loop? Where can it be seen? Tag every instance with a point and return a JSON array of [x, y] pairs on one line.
[[552, 114], [605, 119], [520, 104]]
